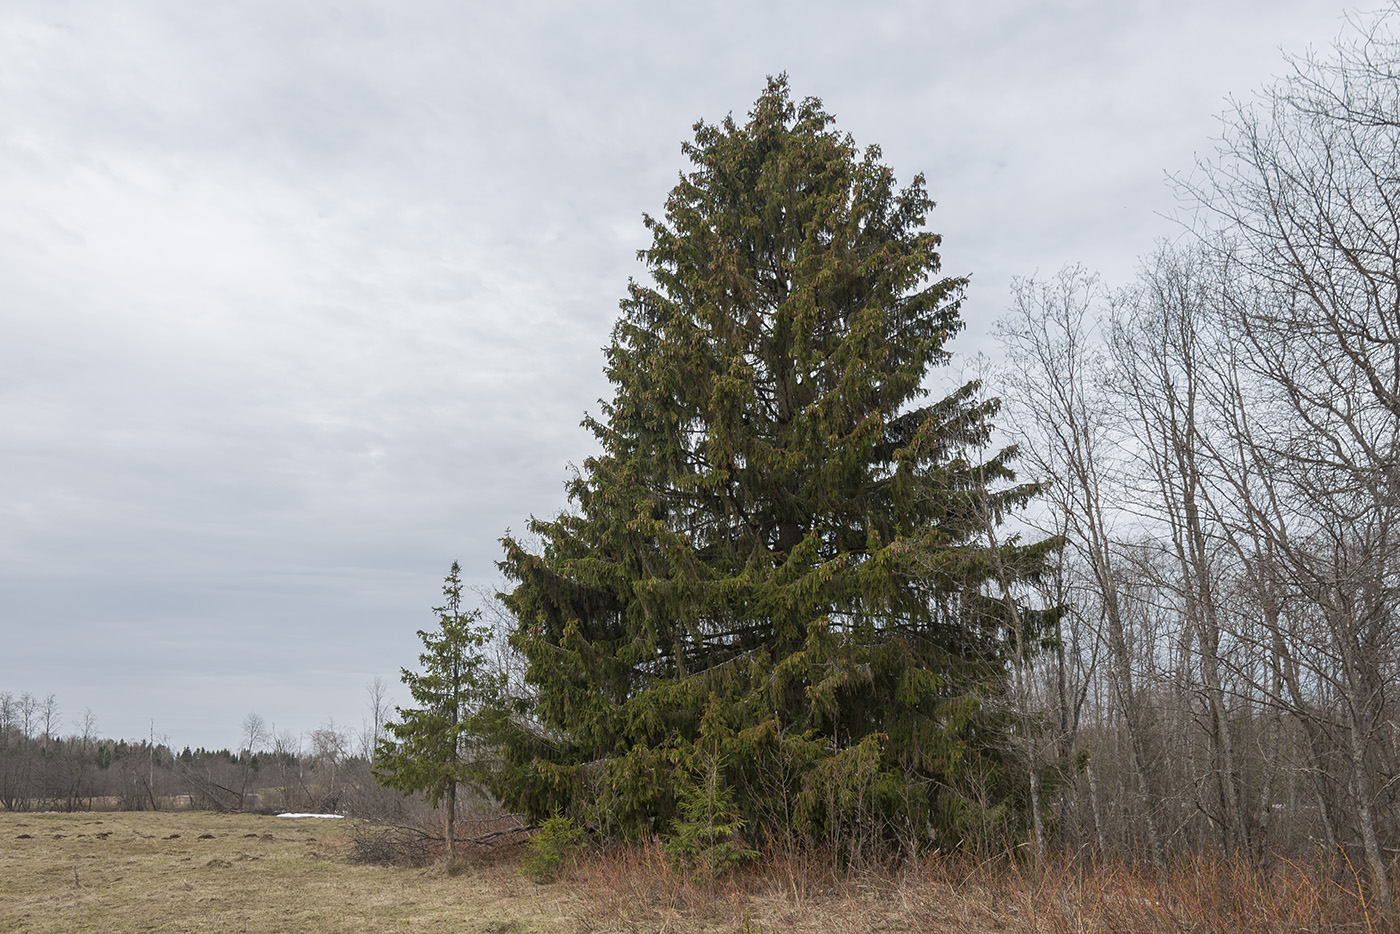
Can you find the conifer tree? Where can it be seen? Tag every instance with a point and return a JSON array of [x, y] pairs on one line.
[[440, 744], [775, 573]]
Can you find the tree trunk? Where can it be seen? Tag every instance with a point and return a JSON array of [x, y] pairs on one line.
[[1095, 810], [1037, 812], [449, 825], [1132, 715]]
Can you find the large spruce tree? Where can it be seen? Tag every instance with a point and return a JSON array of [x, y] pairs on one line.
[[773, 611]]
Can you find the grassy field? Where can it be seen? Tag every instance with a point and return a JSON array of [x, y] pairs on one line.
[[119, 872]]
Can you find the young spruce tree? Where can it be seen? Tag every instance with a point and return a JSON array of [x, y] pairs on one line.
[[441, 744], [775, 584]]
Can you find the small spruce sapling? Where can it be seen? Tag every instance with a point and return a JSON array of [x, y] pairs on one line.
[[446, 740], [552, 847], [707, 838]]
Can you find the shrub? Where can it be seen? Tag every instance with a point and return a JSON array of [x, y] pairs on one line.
[[706, 840], [389, 845], [553, 846]]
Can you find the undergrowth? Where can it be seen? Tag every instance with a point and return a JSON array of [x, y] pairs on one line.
[[638, 888]]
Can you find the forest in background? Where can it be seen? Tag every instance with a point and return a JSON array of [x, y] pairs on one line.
[[1222, 438], [44, 767]]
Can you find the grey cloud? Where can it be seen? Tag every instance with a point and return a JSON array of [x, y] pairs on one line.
[[299, 303]]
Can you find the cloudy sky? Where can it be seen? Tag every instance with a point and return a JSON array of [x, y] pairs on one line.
[[300, 302]]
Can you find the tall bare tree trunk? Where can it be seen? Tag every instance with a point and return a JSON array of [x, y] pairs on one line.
[[1096, 810]]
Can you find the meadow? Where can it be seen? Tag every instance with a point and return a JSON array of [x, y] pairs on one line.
[[197, 871], [118, 872]]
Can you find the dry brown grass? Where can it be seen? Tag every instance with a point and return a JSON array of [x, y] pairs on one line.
[[166, 872], [635, 890], [157, 872], [1204, 893]]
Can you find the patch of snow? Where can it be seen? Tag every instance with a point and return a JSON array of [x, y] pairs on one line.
[[336, 816]]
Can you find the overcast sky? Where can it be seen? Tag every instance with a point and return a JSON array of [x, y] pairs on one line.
[[300, 302]]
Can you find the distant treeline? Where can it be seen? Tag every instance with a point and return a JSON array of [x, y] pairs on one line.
[[43, 768]]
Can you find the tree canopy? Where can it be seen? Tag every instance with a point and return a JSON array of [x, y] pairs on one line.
[[778, 580]]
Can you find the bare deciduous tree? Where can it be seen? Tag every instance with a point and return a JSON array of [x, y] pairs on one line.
[[1053, 365], [379, 709], [1306, 189], [1159, 337]]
